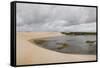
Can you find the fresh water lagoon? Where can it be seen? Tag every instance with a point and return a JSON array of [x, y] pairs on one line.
[[72, 44]]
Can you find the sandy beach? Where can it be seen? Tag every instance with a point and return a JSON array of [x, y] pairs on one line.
[[29, 53]]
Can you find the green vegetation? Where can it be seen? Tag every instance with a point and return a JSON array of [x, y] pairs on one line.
[[90, 41], [79, 33], [63, 45], [38, 41]]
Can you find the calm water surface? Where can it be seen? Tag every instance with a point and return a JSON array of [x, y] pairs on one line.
[[71, 44]]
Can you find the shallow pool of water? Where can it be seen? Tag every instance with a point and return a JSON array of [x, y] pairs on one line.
[[69, 44]]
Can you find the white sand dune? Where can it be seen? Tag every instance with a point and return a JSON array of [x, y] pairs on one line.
[[29, 53]]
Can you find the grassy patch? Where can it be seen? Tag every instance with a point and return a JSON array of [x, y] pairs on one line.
[[90, 41], [38, 41], [79, 33]]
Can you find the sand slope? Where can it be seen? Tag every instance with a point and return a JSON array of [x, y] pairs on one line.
[[28, 53]]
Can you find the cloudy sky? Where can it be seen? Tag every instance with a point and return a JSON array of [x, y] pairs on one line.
[[55, 18]]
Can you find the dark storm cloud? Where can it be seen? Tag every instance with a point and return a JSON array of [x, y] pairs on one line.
[[36, 17]]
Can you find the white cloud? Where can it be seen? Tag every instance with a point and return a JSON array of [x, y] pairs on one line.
[[59, 26], [89, 27], [37, 18], [55, 25]]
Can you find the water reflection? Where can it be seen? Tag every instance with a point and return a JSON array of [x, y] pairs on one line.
[[69, 44]]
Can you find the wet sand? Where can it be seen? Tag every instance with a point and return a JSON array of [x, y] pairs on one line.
[[30, 53]]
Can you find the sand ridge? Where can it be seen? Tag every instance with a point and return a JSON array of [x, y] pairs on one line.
[[28, 53]]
